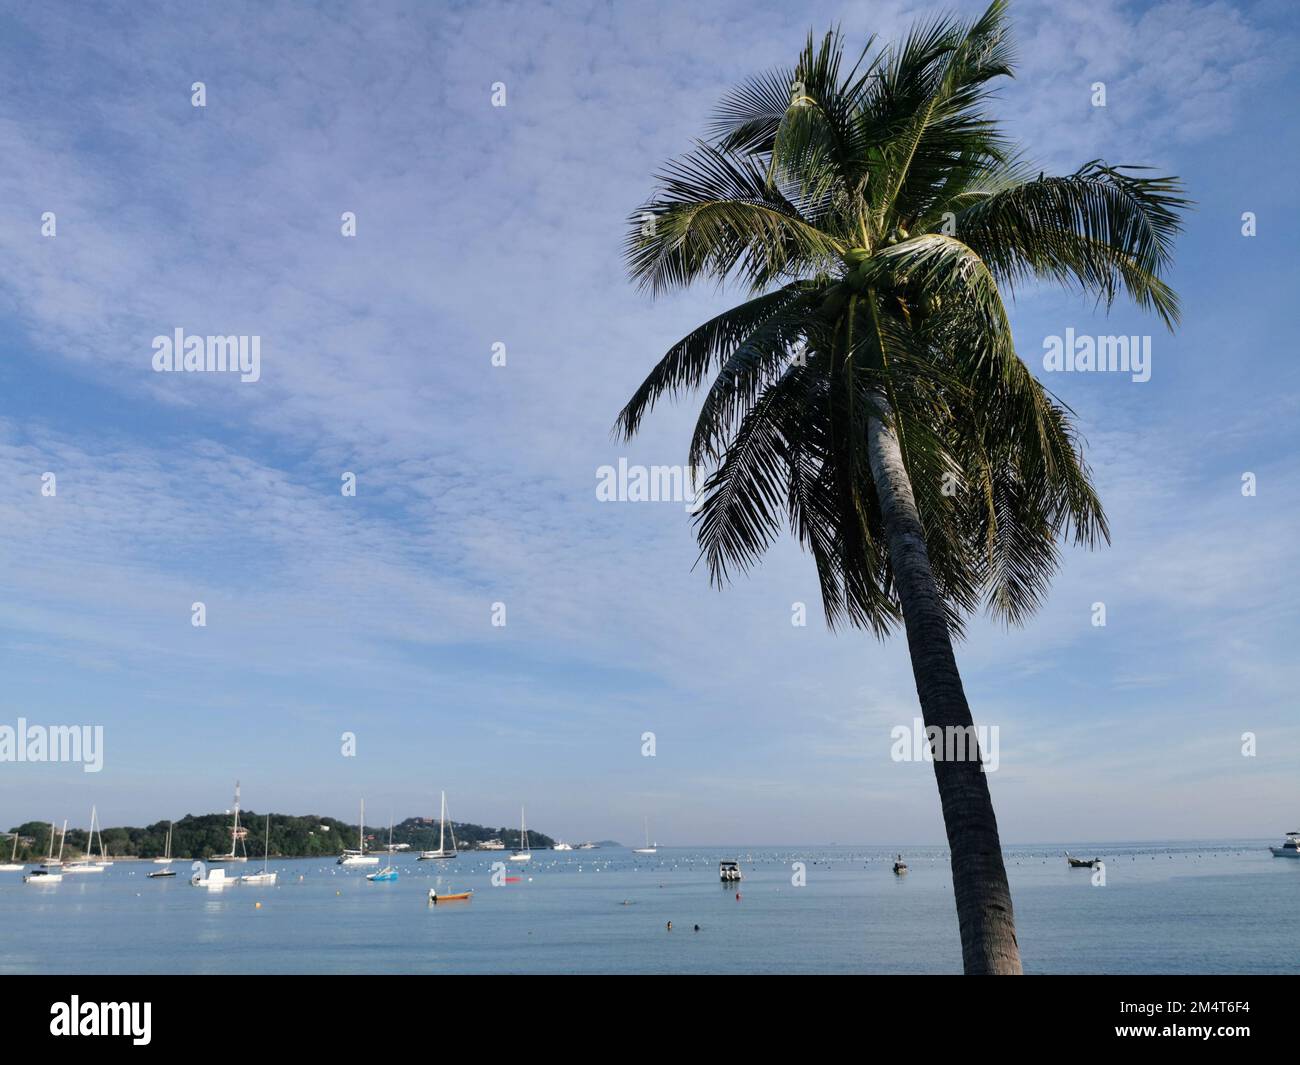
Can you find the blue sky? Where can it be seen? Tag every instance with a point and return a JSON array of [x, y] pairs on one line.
[[476, 484]]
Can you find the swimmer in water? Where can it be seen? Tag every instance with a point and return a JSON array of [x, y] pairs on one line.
[[670, 926]]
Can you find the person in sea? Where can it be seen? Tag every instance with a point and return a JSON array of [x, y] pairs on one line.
[[670, 926]]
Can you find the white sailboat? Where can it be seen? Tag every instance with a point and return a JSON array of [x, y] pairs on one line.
[[52, 862], [648, 848], [13, 865], [524, 854], [87, 863], [442, 852], [236, 840], [166, 859], [51, 870], [264, 877], [359, 856]]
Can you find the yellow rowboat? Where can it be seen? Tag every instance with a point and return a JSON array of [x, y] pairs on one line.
[[458, 897]]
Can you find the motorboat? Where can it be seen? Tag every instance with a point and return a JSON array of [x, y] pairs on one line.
[[1290, 847]]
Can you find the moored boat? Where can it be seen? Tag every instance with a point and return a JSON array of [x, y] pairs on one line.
[[265, 876], [216, 878], [900, 866], [649, 848], [441, 854], [524, 853], [13, 865], [42, 876], [236, 838], [459, 896], [166, 859], [1081, 863], [359, 856], [729, 871], [388, 873], [1290, 848]]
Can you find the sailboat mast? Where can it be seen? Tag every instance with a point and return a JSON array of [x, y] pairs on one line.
[[63, 838], [234, 832], [361, 830], [442, 823]]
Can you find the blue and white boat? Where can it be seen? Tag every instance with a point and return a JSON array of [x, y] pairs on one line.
[[388, 872]]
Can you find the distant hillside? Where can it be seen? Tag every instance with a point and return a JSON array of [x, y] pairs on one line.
[[203, 835]]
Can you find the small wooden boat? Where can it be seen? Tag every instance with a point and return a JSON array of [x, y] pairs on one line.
[[459, 896], [161, 873], [1081, 863]]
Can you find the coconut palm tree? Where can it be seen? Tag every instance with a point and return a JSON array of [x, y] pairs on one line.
[[868, 390]]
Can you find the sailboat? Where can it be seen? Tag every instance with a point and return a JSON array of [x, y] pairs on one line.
[[524, 854], [236, 840], [13, 865], [52, 862], [359, 856], [441, 852], [647, 849], [388, 872], [264, 877], [50, 871], [166, 859], [87, 864]]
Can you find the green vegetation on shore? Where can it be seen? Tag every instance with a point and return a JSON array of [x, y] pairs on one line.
[[203, 835]]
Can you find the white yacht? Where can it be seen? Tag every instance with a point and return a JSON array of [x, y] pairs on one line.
[[491, 845], [442, 852], [166, 859], [729, 871], [216, 878], [524, 853], [359, 856], [649, 848], [1290, 848], [265, 876], [86, 863], [53, 863], [562, 846]]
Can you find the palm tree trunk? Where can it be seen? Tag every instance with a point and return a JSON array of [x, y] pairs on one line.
[[979, 878]]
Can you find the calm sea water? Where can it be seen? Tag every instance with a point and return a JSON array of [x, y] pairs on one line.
[[1166, 908]]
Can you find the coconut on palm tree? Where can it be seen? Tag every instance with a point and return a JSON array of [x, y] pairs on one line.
[[868, 391]]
